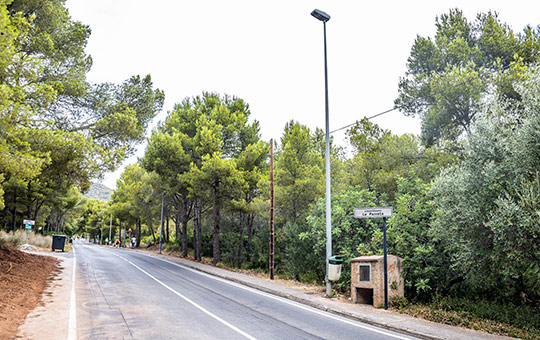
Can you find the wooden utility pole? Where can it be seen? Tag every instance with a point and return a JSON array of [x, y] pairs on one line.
[[271, 209]]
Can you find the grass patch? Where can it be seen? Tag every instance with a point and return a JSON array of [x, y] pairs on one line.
[[495, 318], [17, 238]]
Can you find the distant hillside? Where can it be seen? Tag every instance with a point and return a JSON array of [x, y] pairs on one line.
[[99, 191]]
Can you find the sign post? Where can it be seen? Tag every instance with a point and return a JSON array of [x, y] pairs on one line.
[[28, 225], [383, 212]]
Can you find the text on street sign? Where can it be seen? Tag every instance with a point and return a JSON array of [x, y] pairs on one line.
[[373, 212]]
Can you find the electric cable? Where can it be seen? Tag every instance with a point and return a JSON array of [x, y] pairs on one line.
[[443, 90]]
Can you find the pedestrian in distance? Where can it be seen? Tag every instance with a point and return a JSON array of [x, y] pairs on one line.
[[133, 241]]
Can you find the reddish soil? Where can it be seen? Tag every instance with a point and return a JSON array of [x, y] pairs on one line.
[[23, 277]]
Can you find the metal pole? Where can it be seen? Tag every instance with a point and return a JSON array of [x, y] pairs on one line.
[[271, 209], [161, 228], [385, 266], [327, 156], [101, 230], [110, 230]]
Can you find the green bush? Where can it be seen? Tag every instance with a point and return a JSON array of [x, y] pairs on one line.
[[148, 240], [172, 247], [351, 237], [399, 302]]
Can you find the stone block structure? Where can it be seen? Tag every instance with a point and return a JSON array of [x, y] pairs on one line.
[[367, 279]]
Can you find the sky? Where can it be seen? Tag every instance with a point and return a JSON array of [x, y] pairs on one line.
[[270, 54]]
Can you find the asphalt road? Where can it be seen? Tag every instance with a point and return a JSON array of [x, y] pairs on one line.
[[127, 295]]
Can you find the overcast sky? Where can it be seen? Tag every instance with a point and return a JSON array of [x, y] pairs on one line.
[[271, 53]]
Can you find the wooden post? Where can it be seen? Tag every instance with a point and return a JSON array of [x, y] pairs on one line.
[[271, 209]]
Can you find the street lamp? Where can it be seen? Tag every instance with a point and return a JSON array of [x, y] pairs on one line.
[[322, 16]]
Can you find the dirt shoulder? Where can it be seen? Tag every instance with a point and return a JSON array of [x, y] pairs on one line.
[[23, 278]]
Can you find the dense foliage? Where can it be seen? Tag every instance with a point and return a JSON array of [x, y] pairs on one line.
[[448, 75], [58, 131], [466, 193]]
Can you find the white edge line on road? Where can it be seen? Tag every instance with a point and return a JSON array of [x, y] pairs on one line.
[[190, 301], [72, 323], [284, 300]]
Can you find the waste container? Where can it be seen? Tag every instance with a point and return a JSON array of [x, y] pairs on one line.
[[58, 242], [334, 267]]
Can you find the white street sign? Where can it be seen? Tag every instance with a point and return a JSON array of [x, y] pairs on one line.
[[373, 212], [30, 222]]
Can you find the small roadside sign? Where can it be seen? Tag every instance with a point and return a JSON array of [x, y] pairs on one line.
[[29, 222], [28, 226], [383, 212], [373, 212]]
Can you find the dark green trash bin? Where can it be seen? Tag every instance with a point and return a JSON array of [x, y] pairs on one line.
[[58, 242]]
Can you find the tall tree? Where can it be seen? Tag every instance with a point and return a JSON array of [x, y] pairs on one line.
[[381, 158], [198, 132], [165, 154], [252, 165], [219, 182], [447, 75], [487, 205], [57, 129], [138, 197], [298, 174]]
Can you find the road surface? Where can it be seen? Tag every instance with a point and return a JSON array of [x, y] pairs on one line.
[[122, 294]]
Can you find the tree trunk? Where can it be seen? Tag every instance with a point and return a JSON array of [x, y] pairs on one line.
[[14, 211], [36, 211], [167, 227], [151, 229], [184, 228], [241, 243], [176, 220], [185, 221], [250, 236], [217, 220], [197, 238], [199, 232], [138, 222]]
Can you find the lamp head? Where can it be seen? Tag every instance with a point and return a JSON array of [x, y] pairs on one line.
[[322, 16]]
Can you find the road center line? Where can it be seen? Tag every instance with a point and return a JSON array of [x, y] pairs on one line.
[[292, 303], [72, 323], [190, 301]]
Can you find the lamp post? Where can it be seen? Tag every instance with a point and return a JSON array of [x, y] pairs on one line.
[[322, 16], [110, 231]]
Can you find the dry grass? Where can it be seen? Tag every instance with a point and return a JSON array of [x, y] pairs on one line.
[[467, 320], [17, 238]]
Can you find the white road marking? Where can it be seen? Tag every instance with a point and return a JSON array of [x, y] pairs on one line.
[[292, 303], [72, 323], [190, 301]]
